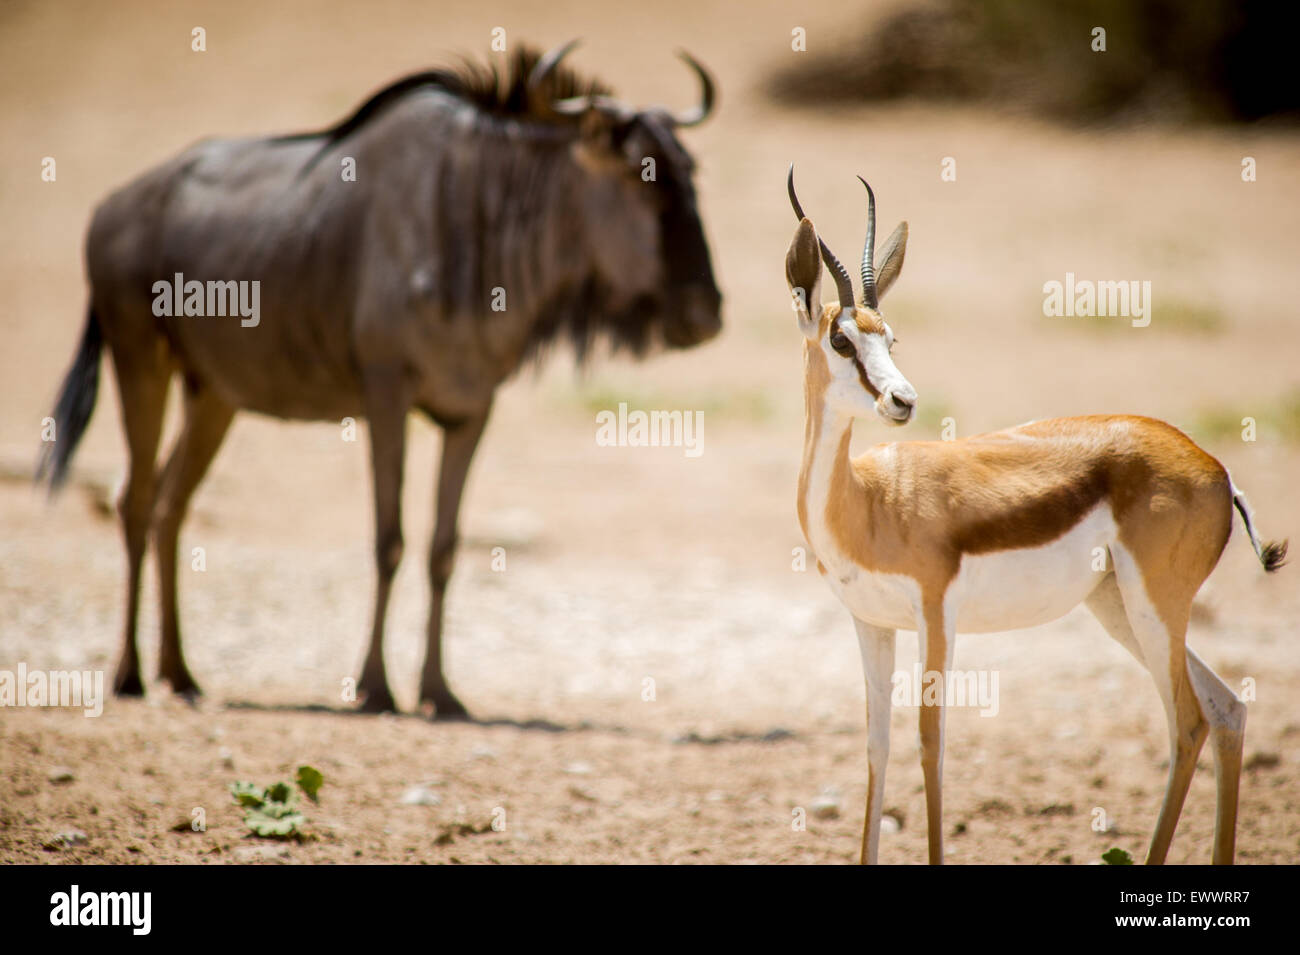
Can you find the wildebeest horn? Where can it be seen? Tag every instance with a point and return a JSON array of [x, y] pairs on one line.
[[868, 251], [843, 284], [577, 105], [573, 105], [547, 64], [693, 117]]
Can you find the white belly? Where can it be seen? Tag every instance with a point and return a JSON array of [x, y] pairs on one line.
[[1007, 590], [1002, 590], [886, 600]]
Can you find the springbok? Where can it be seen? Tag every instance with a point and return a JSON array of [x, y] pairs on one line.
[[998, 532]]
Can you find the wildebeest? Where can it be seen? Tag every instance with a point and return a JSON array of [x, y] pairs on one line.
[[410, 257]]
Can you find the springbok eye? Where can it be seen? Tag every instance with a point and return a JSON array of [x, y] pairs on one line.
[[840, 342]]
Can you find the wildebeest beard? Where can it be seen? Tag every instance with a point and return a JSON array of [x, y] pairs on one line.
[[519, 230], [584, 316]]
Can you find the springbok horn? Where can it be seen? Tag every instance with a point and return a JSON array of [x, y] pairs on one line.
[[843, 284], [868, 252], [697, 115]]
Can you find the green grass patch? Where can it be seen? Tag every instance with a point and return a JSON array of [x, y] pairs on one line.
[[926, 426], [930, 414], [1278, 420], [1169, 316]]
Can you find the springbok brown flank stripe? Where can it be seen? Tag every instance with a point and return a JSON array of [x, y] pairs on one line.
[[1024, 487]]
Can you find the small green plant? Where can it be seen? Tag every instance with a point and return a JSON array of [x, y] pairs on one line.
[[1116, 856], [272, 811]]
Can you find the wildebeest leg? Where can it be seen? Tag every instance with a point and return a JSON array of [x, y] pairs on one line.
[[459, 443], [386, 407], [207, 419], [142, 369]]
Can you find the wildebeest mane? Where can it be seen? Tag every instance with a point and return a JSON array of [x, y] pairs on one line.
[[484, 85]]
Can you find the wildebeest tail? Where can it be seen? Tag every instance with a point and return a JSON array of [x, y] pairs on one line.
[[75, 405], [1272, 554]]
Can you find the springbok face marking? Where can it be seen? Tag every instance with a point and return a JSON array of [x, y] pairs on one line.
[[863, 374], [853, 339]]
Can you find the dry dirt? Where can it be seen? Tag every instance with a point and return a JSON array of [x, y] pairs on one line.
[[638, 563]]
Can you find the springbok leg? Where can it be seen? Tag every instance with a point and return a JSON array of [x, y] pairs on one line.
[[936, 639], [877, 646]]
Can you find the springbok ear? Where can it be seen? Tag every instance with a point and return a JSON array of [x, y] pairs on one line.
[[803, 273], [890, 258]]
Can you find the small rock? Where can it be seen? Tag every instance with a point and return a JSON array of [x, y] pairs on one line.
[[61, 774], [825, 806], [889, 825], [510, 527], [66, 840], [579, 768], [261, 853], [227, 758], [483, 752], [421, 796]]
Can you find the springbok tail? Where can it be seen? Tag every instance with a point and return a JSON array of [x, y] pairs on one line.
[[1272, 554]]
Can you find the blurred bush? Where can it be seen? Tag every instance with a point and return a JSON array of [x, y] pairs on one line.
[[1205, 60]]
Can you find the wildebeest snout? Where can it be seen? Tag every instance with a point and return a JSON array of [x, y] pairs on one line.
[[695, 315]]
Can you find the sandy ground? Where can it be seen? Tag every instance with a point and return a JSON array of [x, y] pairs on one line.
[[635, 564]]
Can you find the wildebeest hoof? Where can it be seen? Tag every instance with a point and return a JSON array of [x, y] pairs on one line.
[[447, 708], [182, 684], [378, 701], [127, 683], [187, 690]]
